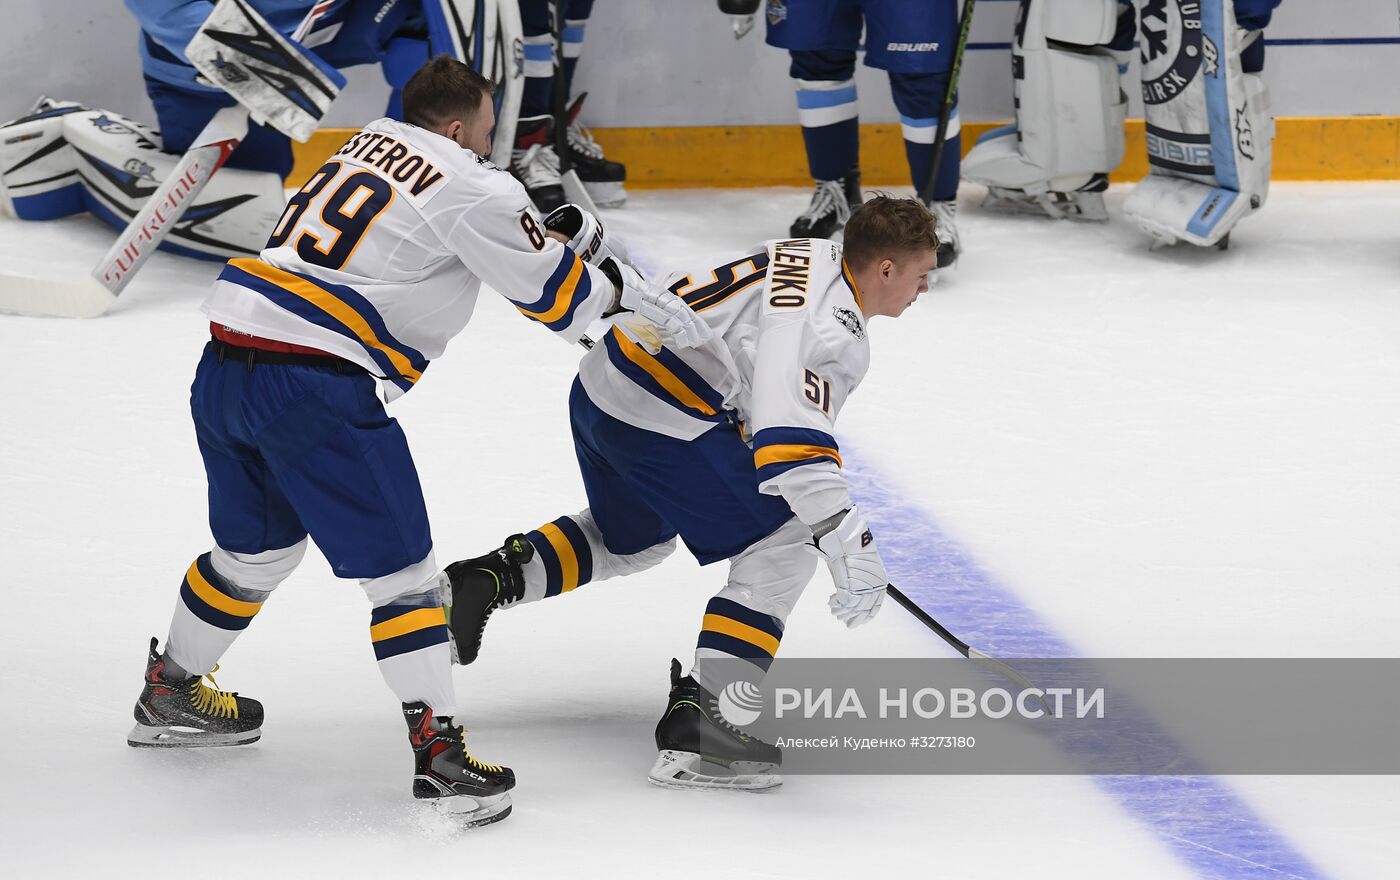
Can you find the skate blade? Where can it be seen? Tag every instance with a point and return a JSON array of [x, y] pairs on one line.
[[473, 812], [687, 771], [144, 736], [606, 193]]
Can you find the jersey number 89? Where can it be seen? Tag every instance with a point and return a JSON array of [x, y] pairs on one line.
[[345, 215]]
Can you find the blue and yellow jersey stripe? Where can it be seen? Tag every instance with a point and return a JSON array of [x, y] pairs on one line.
[[779, 450], [334, 307], [399, 629], [567, 288], [850, 280], [665, 376], [213, 599], [563, 548], [740, 631]]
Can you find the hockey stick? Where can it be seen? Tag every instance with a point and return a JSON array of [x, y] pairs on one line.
[[985, 661], [574, 190], [940, 139], [94, 295]]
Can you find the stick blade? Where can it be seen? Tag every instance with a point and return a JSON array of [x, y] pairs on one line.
[[54, 298]]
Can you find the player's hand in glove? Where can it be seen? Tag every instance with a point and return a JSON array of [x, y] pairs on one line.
[[583, 232], [656, 305], [856, 568]]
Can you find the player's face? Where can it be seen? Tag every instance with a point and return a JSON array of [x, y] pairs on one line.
[[476, 134], [902, 281]]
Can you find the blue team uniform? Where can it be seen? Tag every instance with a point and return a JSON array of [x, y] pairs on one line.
[[913, 40]]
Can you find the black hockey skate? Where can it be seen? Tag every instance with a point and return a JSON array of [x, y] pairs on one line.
[[446, 772], [476, 587], [603, 178], [698, 749], [176, 711], [535, 164], [832, 204]]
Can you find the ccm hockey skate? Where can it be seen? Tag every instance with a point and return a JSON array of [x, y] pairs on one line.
[[698, 749], [446, 773], [179, 711], [472, 588]]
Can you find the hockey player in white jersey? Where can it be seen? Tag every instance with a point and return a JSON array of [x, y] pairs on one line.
[[730, 446], [374, 266]]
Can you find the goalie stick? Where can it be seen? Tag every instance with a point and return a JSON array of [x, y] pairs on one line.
[[94, 295], [940, 139]]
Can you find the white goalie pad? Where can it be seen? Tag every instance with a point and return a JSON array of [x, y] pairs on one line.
[[64, 158], [280, 82], [38, 174], [486, 34], [1070, 106], [1210, 126]]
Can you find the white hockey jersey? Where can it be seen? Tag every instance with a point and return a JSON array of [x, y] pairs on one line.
[[789, 346], [379, 257]]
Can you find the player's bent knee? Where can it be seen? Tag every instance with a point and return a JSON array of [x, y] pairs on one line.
[[412, 580], [638, 562], [258, 572]]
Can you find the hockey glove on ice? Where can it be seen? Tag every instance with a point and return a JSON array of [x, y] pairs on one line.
[[856, 569]]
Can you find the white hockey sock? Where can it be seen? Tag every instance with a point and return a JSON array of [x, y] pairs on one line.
[[411, 644]]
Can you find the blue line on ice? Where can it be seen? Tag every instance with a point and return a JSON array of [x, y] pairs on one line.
[[1203, 822]]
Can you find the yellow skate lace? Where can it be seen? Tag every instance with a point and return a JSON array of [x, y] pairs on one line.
[[211, 700], [471, 759]]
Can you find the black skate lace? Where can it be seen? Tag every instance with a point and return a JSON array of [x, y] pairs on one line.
[[537, 166], [829, 195], [581, 139]]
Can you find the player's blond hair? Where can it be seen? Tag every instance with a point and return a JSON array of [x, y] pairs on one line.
[[442, 90], [887, 227]]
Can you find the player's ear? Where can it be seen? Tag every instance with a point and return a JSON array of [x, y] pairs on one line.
[[886, 269]]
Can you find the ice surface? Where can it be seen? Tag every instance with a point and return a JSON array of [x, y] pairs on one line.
[[1182, 453]]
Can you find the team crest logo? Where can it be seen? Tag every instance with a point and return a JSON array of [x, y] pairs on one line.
[[777, 12], [139, 169], [228, 71], [108, 125], [849, 320], [1244, 132], [1171, 47]]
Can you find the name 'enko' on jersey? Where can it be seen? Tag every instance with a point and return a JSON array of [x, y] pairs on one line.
[[378, 259]]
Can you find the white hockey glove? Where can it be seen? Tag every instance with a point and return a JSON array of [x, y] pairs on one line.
[[656, 305], [585, 232], [649, 301], [856, 568]]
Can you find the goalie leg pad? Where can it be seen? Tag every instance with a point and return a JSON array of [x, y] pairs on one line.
[[1210, 125], [120, 165], [1070, 109], [38, 172]]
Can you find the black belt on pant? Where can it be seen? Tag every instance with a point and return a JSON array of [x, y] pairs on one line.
[[253, 356]]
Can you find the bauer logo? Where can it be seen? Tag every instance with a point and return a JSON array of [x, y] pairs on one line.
[[740, 703], [1171, 47]]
